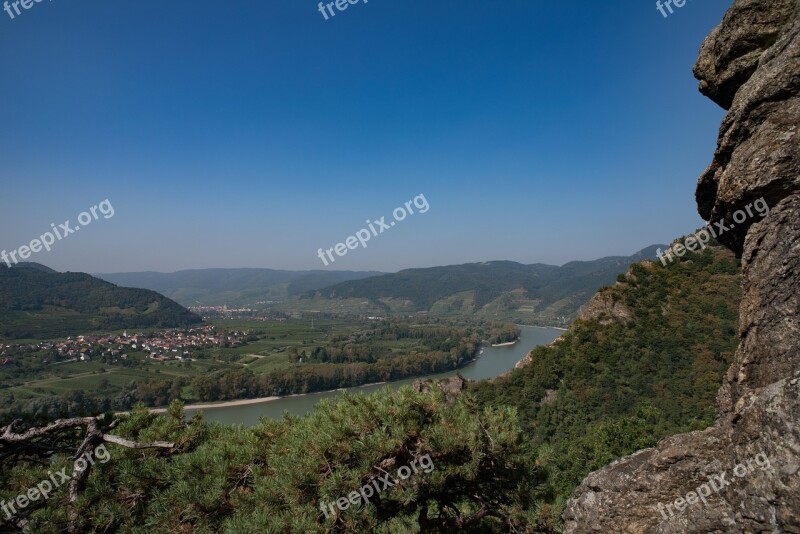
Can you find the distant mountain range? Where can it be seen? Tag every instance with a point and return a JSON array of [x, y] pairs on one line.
[[37, 302], [238, 287], [533, 294], [538, 293]]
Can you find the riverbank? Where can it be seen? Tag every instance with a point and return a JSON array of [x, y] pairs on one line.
[[488, 363], [225, 404], [259, 400], [262, 400], [507, 344], [527, 359], [544, 327], [232, 404]]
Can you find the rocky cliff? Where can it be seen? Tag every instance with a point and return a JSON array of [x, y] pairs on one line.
[[743, 474]]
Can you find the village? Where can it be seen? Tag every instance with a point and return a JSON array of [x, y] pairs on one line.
[[159, 346]]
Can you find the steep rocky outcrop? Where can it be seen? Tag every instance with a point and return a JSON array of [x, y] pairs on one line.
[[451, 386], [604, 309], [749, 65]]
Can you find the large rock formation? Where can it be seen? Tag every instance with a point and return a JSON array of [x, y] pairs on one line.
[[749, 65]]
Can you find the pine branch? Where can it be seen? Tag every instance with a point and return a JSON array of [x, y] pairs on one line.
[[94, 437]]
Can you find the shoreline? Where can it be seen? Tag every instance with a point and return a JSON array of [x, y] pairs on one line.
[[545, 327], [224, 404], [507, 344], [263, 400]]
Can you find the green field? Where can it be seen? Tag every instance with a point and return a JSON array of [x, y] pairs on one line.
[[269, 352]]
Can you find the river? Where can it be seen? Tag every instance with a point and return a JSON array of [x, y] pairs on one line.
[[493, 362]]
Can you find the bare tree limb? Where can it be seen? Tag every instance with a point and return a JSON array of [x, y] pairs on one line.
[[94, 437], [10, 436], [110, 438]]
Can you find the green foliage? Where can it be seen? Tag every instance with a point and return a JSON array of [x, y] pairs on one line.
[[620, 382], [351, 355], [274, 476], [494, 289], [215, 287], [503, 332], [645, 364], [390, 351], [40, 304]]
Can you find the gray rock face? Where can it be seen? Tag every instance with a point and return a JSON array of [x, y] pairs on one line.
[[603, 309], [749, 65], [451, 387]]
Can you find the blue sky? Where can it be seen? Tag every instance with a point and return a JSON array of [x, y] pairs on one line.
[[252, 133]]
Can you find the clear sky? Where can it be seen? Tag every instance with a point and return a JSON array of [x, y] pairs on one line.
[[252, 133]]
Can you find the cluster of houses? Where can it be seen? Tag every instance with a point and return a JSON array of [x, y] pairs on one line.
[[221, 311], [216, 312], [161, 346]]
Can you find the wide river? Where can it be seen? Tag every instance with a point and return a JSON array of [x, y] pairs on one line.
[[494, 362]]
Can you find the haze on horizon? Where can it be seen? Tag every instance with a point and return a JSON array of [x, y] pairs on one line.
[[253, 135]]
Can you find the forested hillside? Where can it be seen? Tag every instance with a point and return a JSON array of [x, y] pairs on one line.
[[532, 294], [39, 303], [237, 287], [644, 362]]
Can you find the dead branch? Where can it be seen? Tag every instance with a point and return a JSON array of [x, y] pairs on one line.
[[95, 436], [134, 445]]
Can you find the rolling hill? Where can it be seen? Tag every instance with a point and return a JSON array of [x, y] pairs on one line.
[[644, 360], [39, 303], [537, 293], [215, 287]]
